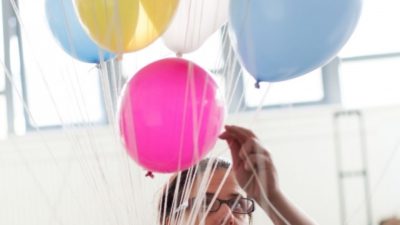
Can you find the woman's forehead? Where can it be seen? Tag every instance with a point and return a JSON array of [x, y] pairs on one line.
[[219, 178]]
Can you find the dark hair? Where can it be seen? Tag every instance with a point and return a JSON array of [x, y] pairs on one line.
[[166, 202]]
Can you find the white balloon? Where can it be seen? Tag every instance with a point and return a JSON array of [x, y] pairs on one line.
[[194, 22]]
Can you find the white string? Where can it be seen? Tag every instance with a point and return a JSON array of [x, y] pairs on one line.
[[112, 113], [104, 183], [50, 95]]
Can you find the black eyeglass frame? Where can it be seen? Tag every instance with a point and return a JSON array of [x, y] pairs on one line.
[[230, 202]]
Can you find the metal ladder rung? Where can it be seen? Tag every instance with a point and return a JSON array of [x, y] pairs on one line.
[[356, 173]]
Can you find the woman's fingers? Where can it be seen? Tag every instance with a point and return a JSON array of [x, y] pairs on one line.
[[234, 147], [252, 146], [257, 162], [241, 130], [242, 133], [234, 134], [225, 135], [242, 143]]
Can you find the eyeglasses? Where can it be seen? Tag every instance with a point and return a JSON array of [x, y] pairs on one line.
[[237, 204]]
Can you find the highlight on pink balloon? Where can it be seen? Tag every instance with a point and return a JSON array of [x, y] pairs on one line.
[[170, 115]]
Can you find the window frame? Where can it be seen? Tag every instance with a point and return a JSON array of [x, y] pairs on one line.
[[329, 72]]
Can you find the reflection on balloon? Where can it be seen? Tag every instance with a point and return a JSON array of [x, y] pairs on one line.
[[125, 25], [280, 40], [69, 33], [170, 115], [194, 22]]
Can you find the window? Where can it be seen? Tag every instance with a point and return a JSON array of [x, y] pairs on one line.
[[2, 81], [307, 88], [369, 71], [377, 31], [59, 89], [370, 82], [16, 87], [3, 103]]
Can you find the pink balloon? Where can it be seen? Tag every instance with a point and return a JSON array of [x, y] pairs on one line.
[[170, 115]]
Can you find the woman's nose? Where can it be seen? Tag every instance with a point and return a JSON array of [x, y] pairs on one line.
[[226, 215]]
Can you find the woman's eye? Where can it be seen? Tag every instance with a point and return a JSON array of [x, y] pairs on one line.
[[208, 201], [238, 205]]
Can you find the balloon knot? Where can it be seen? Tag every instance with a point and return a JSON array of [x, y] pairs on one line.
[[257, 84], [179, 55], [149, 174]]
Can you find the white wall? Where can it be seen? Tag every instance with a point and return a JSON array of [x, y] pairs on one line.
[[82, 176]]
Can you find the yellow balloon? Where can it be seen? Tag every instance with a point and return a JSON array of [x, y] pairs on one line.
[[125, 25], [154, 18]]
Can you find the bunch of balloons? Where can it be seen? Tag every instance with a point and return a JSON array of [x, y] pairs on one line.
[[169, 112], [99, 29]]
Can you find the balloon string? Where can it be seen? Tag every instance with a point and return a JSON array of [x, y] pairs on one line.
[[48, 89]]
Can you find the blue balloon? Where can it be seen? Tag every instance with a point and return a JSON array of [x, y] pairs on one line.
[[278, 40], [69, 33]]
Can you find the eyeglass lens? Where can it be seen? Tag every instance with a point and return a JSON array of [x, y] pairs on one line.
[[237, 204]]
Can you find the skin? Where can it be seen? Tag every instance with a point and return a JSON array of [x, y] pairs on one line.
[[390, 221], [255, 172], [253, 175], [230, 189]]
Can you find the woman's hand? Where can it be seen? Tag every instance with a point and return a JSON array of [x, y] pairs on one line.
[[252, 163], [256, 174]]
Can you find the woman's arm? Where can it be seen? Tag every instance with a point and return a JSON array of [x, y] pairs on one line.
[[282, 211], [256, 174]]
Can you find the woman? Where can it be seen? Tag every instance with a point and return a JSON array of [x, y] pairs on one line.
[[213, 192]]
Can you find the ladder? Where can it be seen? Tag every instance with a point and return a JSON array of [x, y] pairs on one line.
[[349, 129]]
